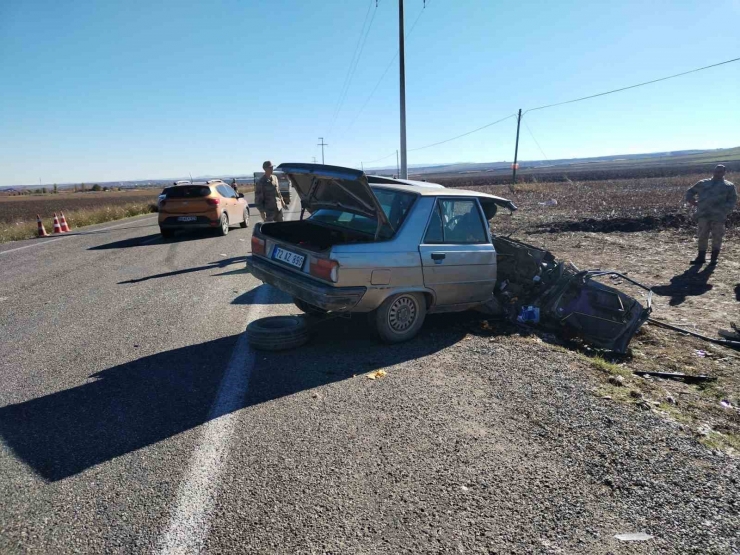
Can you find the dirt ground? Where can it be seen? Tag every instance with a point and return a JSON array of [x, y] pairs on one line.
[[640, 228]]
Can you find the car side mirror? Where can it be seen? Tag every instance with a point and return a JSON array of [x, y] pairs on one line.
[[240, 195]]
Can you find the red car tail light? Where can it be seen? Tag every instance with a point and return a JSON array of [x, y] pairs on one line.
[[324, 269], [213, 201], [258, 246]]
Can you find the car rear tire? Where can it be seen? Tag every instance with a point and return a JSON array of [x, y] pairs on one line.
[[245, 223], [400, 317], [167, 233], [223, 225], [303, 306], [277, 333]]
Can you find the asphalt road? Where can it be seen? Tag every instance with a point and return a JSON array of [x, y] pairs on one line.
[[134, 418]]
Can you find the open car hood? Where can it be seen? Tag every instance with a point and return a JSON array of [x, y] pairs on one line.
[[333, 187]]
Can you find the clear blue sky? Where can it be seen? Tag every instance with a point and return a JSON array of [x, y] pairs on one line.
[[101, 91]]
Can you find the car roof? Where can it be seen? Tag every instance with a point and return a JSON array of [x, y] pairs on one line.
[[426, 189]]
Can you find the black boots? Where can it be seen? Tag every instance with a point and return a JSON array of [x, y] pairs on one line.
[[702, 258]]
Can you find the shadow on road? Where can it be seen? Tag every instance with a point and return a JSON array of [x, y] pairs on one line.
[[737, 292], [133, 405], [154, 239], [210, 266], [252, 296], [691, 283]]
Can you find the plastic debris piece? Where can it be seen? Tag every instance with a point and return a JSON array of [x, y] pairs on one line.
[[633, 537], [726, 404], [688, 378], [376, 375], [529, 314], [700, 353]]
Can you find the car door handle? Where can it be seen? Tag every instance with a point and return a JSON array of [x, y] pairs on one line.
[[438, 257]]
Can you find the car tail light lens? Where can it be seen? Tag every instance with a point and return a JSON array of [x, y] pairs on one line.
[[324, 269], [213, 201], [258, 245]]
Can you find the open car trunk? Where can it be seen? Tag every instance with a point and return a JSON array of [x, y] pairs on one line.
[[570, 302], [311, 236]]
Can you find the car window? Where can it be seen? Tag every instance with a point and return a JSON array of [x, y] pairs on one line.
[[225, 191], [395, 205], [187, 192], [456, 221]]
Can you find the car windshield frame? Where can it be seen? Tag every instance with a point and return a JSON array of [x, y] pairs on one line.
[[406, 198]]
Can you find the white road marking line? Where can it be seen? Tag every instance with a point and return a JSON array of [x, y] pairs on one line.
[[191, 520], [73, 235], [34, 245]]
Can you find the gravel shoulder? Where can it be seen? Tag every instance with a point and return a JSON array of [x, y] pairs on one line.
[[469, 444]]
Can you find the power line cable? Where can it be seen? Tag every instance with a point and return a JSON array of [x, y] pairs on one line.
[[632, 86], [576, 100], [379, 159], [347, 78], [535, 140], [463, 135], [385, 72]]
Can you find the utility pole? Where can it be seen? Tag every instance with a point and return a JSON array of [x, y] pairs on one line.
[[516, 148], [322, 144], [398, 172], [363, 167], [314, 159], [403, 174]]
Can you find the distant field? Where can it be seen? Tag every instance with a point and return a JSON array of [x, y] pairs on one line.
[[18, 213], [24, 208]]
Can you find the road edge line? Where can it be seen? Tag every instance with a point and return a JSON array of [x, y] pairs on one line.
[[189, 523]]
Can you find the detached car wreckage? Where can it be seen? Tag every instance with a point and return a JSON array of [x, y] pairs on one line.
[[396, 250]]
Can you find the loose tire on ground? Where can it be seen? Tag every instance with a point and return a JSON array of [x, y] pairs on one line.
[[245, 223], [400, 317], [277, 333], [303, 306]]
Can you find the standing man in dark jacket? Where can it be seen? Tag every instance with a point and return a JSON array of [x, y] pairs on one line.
[[716, 201], [267, 197]]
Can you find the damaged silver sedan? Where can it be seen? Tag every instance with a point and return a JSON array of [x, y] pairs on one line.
[[398, 250]]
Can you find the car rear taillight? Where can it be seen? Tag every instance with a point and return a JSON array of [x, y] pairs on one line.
[[258, 245], [324, 269], [213, 201]]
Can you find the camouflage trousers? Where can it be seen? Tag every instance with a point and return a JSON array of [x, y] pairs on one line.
[[713, 227]]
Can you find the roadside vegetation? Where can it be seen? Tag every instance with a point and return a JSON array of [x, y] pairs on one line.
[[18, 213]]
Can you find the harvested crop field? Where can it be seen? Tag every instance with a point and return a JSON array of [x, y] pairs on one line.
[[18, 213], [24, 208]]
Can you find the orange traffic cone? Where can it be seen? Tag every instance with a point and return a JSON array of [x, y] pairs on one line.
[[57, 227], [42, 231], [63, 222]]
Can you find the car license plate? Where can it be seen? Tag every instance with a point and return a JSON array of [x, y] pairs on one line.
[[288, 257], [187, 218]]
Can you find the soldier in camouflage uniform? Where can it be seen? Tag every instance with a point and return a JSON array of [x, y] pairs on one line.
[[717, 198], [267, 197]]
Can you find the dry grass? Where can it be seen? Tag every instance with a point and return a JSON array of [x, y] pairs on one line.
[[75, 218]]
